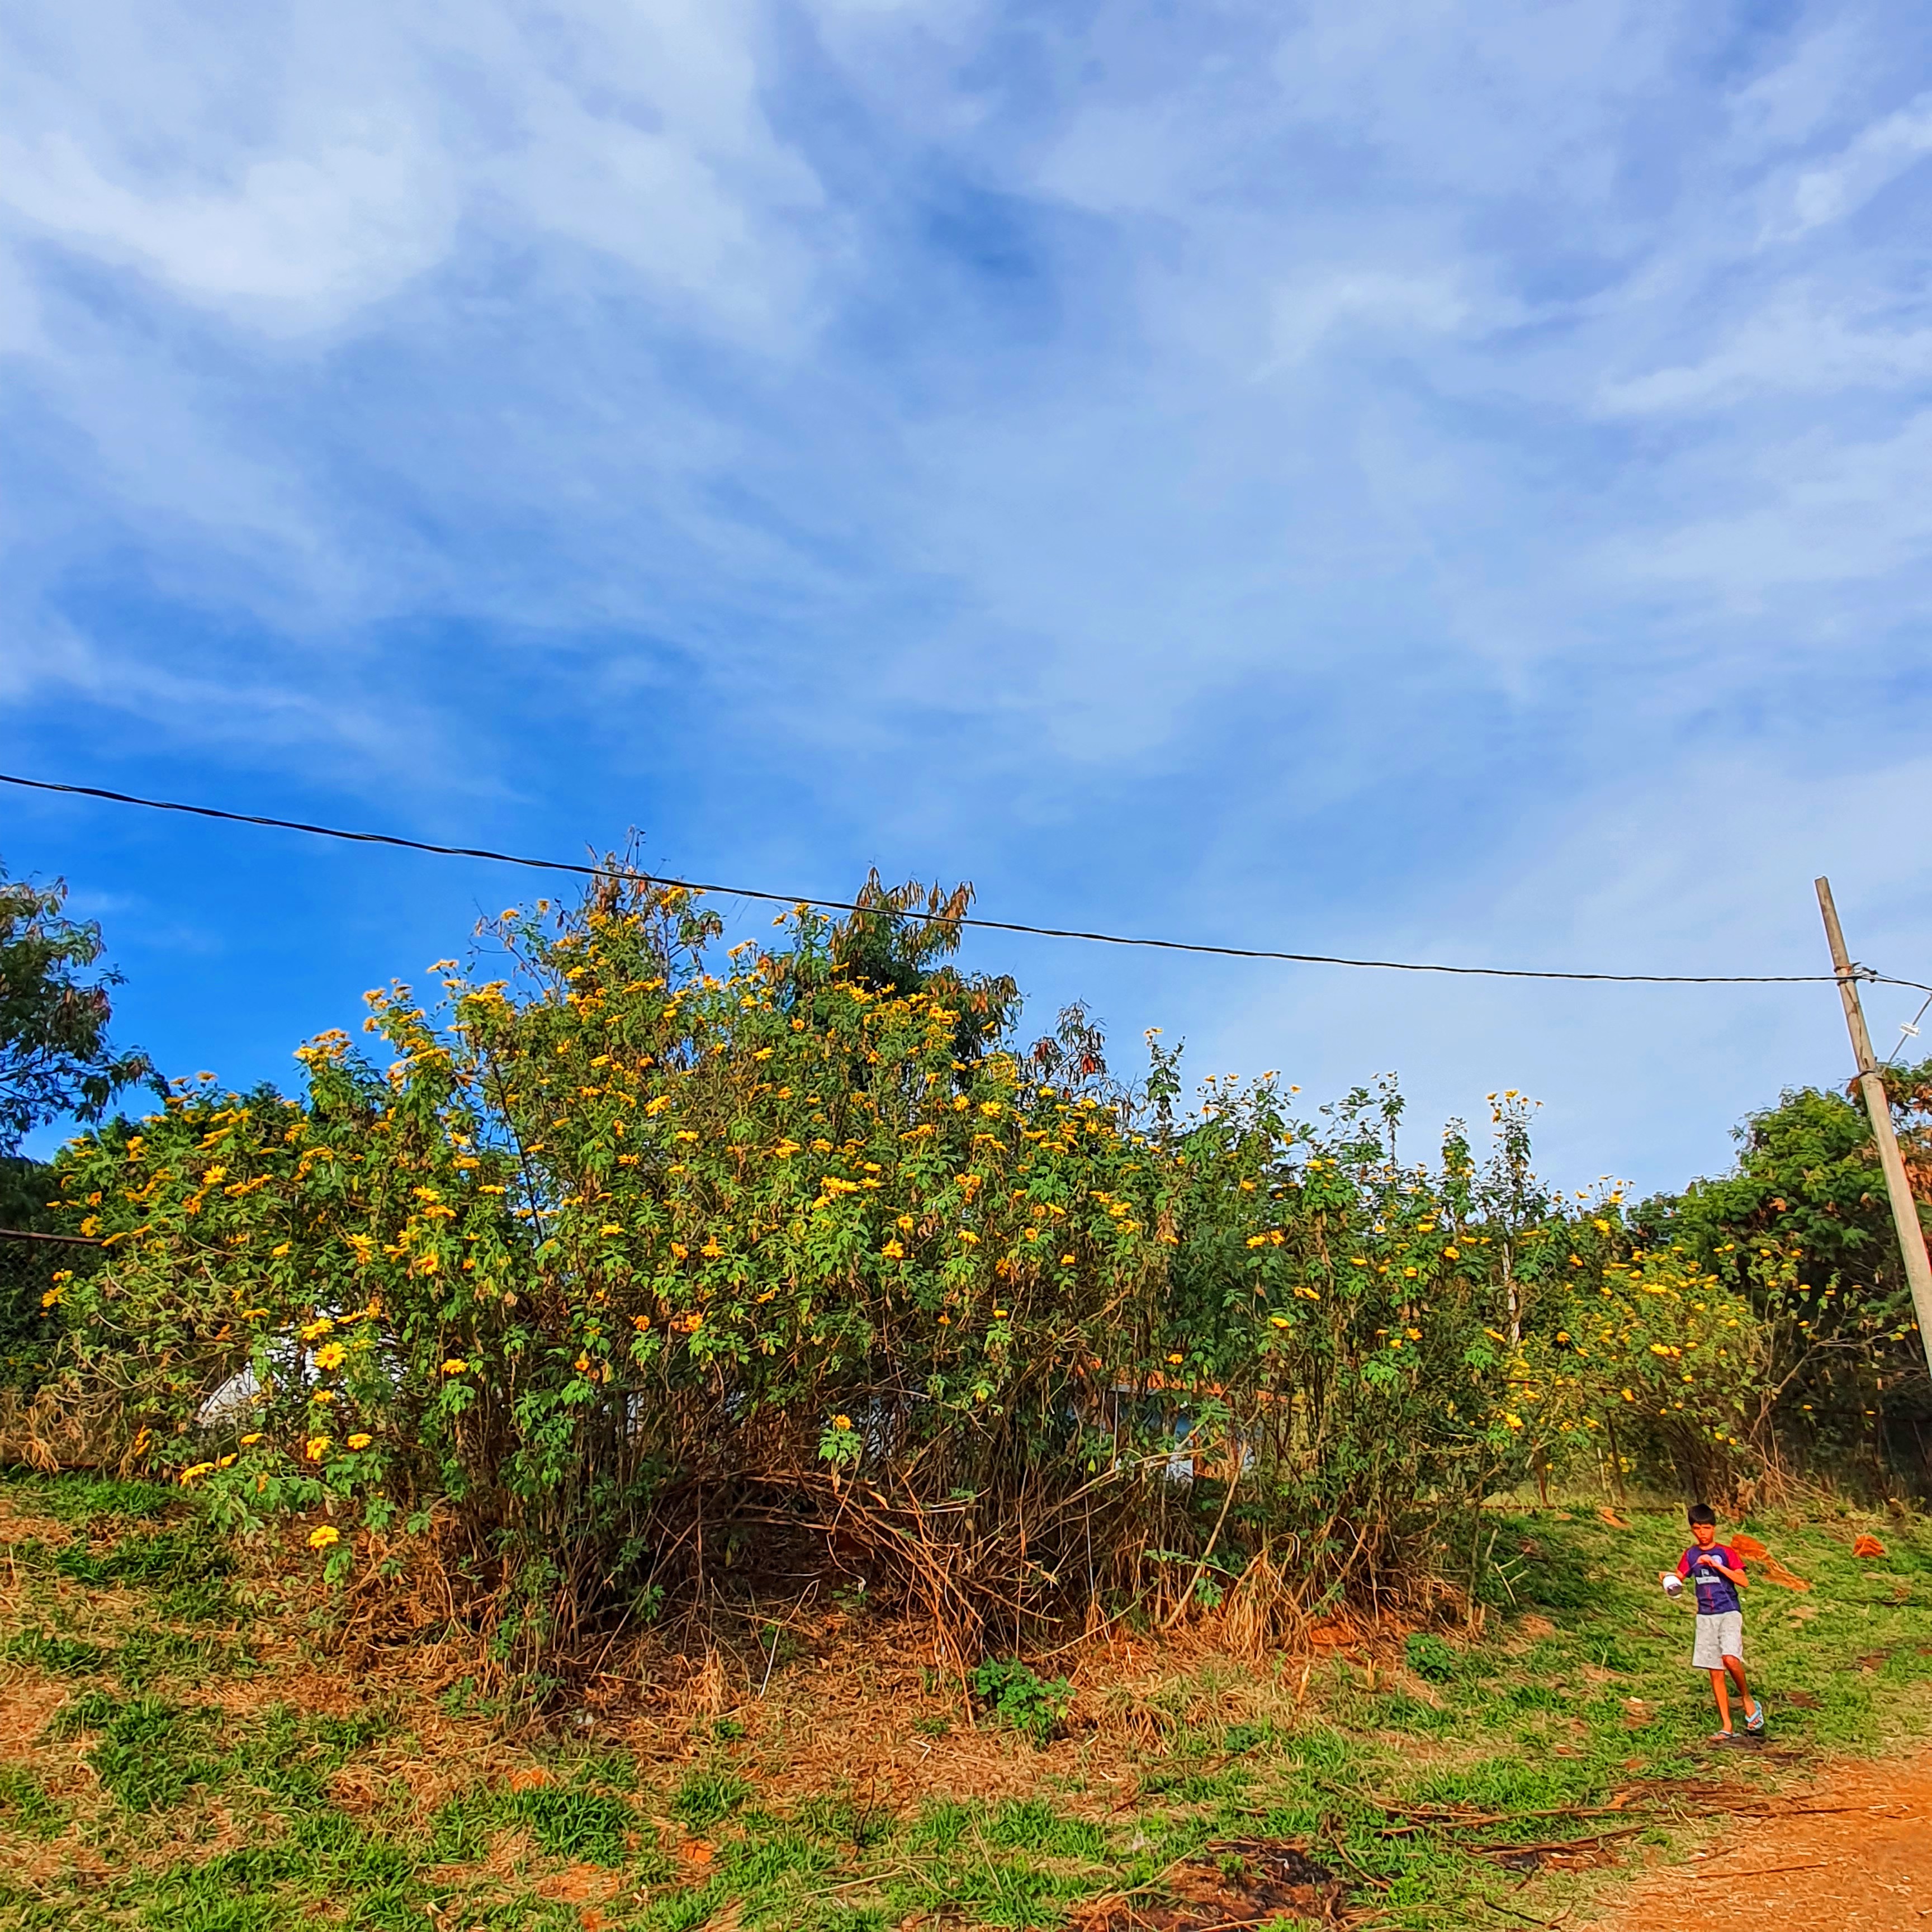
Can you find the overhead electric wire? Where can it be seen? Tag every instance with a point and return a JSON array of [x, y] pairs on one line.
[[401, 844]]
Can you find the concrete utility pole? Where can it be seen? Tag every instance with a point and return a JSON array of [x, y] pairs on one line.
[[1871, 1083]]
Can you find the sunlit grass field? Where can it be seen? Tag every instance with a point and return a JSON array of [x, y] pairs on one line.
[[187, 1742]]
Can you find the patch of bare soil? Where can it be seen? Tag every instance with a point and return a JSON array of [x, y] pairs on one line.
[[1851, 1853], [1245, 1882]]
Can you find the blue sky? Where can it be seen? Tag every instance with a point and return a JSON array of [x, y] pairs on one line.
[[1445, 481]]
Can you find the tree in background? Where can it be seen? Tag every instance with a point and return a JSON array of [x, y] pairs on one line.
[[55, 1060], [1802, 1226]]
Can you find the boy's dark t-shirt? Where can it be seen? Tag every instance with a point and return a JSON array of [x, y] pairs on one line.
[[1716, 1595]]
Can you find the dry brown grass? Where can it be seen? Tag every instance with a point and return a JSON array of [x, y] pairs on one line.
[[858, 1703]]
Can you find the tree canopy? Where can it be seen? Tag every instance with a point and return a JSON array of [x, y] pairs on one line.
[[1802, 1225], [56, 1057]]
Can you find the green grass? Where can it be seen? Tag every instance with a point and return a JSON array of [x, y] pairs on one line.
[[82, 1501], [159, 1807]]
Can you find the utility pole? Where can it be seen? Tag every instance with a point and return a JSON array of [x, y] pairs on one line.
[[1871, 1083]]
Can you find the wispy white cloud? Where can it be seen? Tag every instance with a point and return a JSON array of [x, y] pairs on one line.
[[1833, 189], [1216, 467], [319, 159], [1799, 342]]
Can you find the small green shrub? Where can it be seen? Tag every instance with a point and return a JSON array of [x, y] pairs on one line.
[[1014, 1695], [1430, 1658]]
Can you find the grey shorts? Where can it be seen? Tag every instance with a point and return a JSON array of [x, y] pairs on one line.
[[1717, 1638]]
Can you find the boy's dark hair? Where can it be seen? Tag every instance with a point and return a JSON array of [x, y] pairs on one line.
[[1701, 1513]]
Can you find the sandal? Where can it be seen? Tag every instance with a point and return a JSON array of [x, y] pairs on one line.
[[1722, 1738], [1754, 1719]]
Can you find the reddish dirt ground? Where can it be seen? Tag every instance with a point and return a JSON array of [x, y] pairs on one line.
[[1853, 1853]]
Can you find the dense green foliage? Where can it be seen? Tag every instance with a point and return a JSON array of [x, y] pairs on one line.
[[1802, 1227], [27, 1269], [626, 1278], [55, 1058]]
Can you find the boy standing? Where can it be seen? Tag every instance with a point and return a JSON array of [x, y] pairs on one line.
[[1714, 1571]]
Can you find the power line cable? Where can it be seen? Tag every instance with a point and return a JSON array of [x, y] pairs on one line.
[[400, 843]]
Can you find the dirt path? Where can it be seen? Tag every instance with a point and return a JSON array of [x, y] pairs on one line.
[[1852, 1853]]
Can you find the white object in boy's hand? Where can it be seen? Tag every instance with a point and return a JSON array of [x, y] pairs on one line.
[[1673, 1586]]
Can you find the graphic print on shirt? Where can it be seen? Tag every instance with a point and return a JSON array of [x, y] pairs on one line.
[[1716, 1594]]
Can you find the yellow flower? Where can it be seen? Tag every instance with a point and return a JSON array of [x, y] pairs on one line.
[[315, 1330], [1176, 1358], [316, 1448], [582, 1364], [1280, 1320], [323, 1397], [892, 1251], [455, 1366], [331, 1355], [841, 1422], [199, 1469], [277, 1253], [610, 1228], [249, 1440], [1067, 1260], [1451, 1254], [1513, 1421], [321, 1538], [711, 1248], [966, 1235], [360, 1440]]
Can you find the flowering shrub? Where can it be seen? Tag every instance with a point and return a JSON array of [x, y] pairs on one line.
[[626, 1276], [1650, 1354]]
